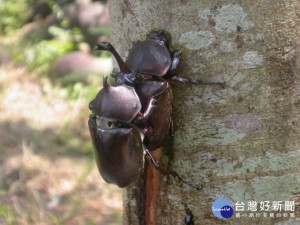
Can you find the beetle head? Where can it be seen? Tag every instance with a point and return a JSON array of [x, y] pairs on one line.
[[127, 78], [159, 38]]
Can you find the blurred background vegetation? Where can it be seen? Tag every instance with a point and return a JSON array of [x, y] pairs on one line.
[[48, 75]]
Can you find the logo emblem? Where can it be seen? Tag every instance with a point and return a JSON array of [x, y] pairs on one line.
[[222, 208]]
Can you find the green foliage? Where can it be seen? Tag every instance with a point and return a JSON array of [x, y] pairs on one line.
[[80, 90], [6, 213], [75, 90], [39, 56], [13, 14], [104, 54], [105, 31], [102, 31], [38, 53]]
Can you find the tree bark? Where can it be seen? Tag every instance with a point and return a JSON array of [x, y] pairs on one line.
[[241, 142]]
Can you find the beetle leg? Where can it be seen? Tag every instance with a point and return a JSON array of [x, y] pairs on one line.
[[175, 61], [169, 172], [174, 64], [108, 47], [191, 81]]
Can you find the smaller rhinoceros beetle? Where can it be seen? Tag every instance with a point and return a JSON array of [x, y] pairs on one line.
[[133, 115]]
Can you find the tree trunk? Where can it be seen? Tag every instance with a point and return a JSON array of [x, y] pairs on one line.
[[241, 142]]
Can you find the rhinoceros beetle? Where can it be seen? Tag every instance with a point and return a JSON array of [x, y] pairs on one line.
[[133, 115]]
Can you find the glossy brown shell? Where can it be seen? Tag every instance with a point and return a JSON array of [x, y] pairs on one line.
[[117, 102], [118, 153], [160, 117], [150, 57]]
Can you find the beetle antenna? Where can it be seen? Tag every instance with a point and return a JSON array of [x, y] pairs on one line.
[[105, 46], [169, 172], [191, 81]]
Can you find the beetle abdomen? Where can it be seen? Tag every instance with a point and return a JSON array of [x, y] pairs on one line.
[[118, 153]]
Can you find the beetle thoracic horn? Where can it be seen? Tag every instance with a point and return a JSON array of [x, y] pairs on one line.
[[108, 47]]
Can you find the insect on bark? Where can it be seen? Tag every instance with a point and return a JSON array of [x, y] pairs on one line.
[[133, 115]]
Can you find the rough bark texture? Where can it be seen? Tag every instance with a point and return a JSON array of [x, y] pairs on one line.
[[241, 142]]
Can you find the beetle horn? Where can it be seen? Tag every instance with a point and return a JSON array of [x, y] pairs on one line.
[[105, 84], [105, 46]]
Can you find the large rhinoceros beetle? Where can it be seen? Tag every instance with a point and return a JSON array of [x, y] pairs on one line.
[[133, 115]]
